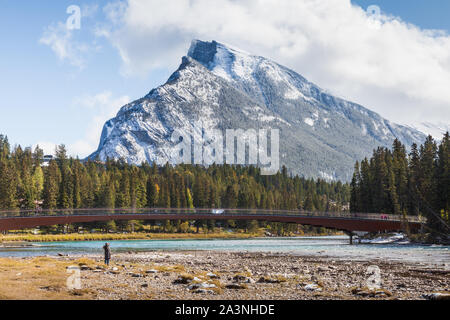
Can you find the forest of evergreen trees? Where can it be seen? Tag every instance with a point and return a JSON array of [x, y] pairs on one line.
[[391, 181], [395, 182], [71, 183]]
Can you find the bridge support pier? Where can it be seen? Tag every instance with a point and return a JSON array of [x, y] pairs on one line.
[[350, 234]]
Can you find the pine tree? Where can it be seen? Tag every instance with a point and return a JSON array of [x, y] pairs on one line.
[[355, 202], [4, 148], [152, 193], [379, 186], [427, 182], [123, 197], [65, 199], [8, 185], [52, 179], [38, 182], [443, 176], [309, 203], [392, 205], [414, 180], [428, 153], [230, 199], [108, 195], [199, 193], [38, 156], [400, 167], [76, 184]]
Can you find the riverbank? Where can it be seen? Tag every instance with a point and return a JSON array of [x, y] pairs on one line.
[[4, 239], [29, 238], [215, 275], [403, 238]]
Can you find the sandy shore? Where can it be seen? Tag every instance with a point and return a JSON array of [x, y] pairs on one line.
[[214, 275]]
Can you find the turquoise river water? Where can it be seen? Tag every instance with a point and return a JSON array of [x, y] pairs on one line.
[[335, 247]]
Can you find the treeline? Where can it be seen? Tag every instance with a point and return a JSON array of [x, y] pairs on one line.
[[395, 182], [70, 183]]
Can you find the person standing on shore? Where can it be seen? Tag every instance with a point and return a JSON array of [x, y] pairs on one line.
[[107, 251]]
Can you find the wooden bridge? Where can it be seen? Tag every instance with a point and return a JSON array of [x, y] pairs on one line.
[[347, 222]]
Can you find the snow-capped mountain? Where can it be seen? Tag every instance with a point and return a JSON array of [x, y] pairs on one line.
[[226, 88]]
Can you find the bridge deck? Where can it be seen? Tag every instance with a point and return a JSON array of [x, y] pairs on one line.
[[350, 222]]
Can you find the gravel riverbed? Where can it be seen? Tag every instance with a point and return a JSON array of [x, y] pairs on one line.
[[262, 276]]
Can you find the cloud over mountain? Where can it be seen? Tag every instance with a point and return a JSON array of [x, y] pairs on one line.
[[393, 67]]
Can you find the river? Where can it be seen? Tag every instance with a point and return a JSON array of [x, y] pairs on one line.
[[334, 247]]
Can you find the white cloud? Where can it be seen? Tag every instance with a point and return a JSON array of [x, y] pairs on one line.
[[63, 41], [60, 40], [103, 106], [47, 146], [88, 11], [396, 69]]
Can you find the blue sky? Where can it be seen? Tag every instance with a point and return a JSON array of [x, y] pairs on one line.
[[50, 98], [40, 93], [431, 14]]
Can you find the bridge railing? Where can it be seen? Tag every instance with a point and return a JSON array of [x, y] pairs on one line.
[[201, 211]]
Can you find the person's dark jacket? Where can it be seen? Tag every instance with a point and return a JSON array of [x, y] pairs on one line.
[[107, 250]]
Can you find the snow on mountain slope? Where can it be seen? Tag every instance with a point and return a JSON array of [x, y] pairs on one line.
[[142, 130], [437, 130], [226, 88], [288, 93]]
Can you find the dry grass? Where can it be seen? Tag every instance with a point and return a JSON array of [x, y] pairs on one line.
[[128, 236], [372, 293], [176, 268], [219, 286], [84, 261], [246, 274], [37, 279], [184, 278]]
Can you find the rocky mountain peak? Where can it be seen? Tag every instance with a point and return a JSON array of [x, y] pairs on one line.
[[227, 88]]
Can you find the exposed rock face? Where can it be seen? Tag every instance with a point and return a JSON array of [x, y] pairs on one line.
[[320, 135]]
